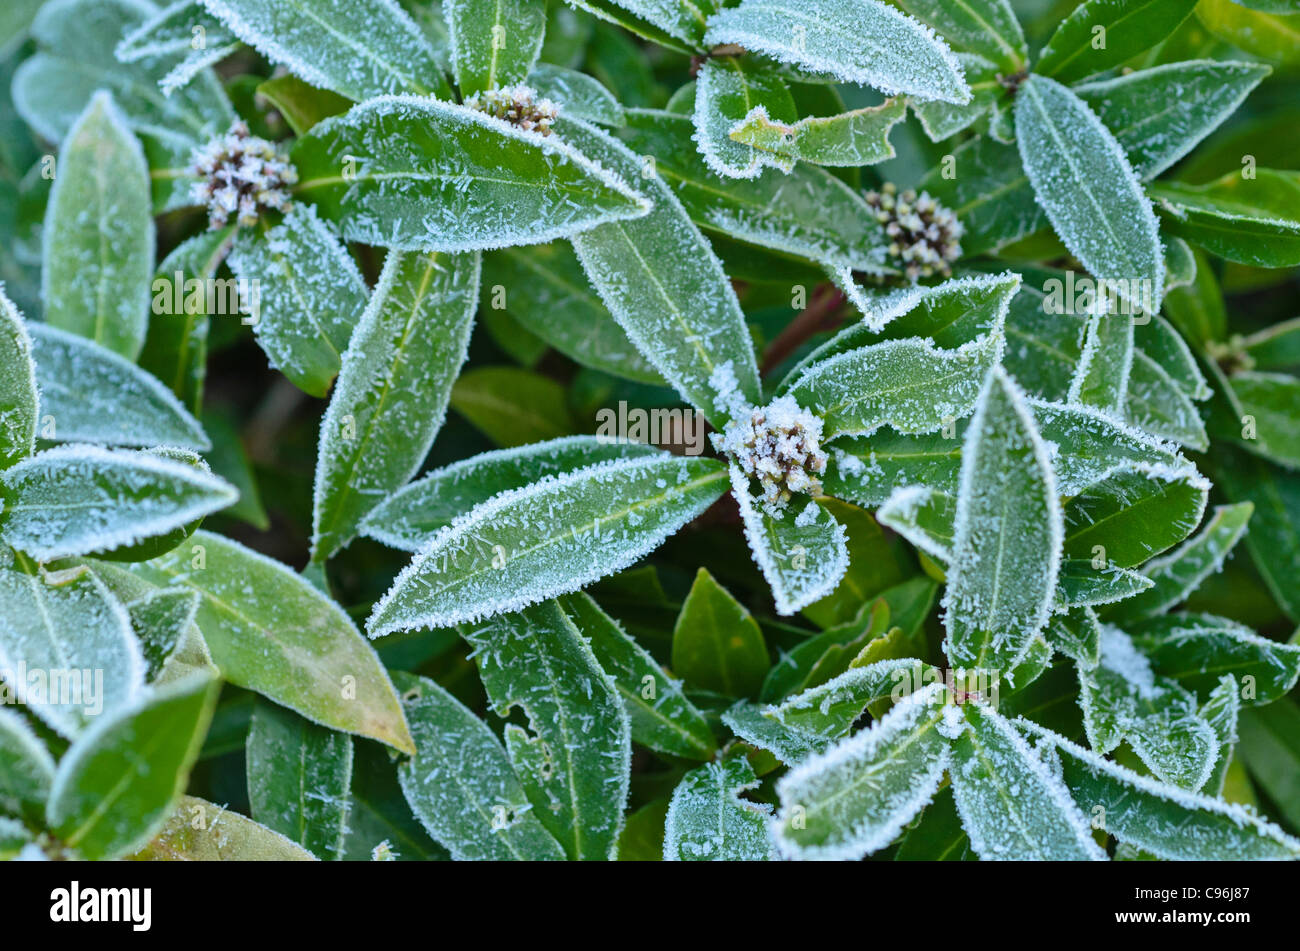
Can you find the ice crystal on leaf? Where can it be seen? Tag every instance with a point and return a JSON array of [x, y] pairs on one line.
[[241, 175]]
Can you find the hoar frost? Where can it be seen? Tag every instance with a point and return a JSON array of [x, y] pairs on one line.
[[924, 235], [240, 174], [780, 446], [518, 105]]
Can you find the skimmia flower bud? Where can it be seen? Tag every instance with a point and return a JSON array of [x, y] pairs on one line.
[[924, 236], [780, 446], [518, 105], [239, 175]]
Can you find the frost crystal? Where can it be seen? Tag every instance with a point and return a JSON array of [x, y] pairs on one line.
[[240, 174], [923, 234], [518, 105], [780, 445]]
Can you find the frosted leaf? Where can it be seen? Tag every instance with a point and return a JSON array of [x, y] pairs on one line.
[[56, 632], [991, 196], [96, 396], [857, 41], [866, 470], [1176, 575], [412, 515], [29, 768], [1197, 649], [546, 539], [1166, 346], [106, 801], [678, 24], [1007, 535], [309, 295], [808, 213], [357, 50], [163, 622], [225, 837], [1080, 584], [417, 174], [847, 139], [1102, 377], [925, 517], [730, 90], [1158, 405], [1250, 221], [172, 33], [708, 820], [828, 711], [856, 798], [1084, 182], [1160, 114], [661, 716], [987, 27], [76, 40], [1076, 634], [789, 745], [79, 499], [940, 120], [392, 393], [574, 756], [908, 384], [1011, 805], [577, 94], [99, 235], [299, 779], [1170, 822], [493, 44], [802, 556], [19, 400], [1221, 711], [666, 288], [1122, 698]]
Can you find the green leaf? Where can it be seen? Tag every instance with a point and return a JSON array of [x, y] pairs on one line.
[[925, 517], [1268, 746], [272, 632], [666, 288], [856, 41], [574, 757], [717, 644], [1176, 575], [848, 139], [26, 768], [19, 400], [661, 716], [77, 500], [393, 390], [708, 820], [809, 213], [828, 711], [298, 779], [184, 32], [1156, 404], [536, 542], [513, 406], [422, 175], [90, 394], [302, 104], [1165, 345], [728, 91], [1102, 376], [1077, 634], [577, 94], [941, 120], [176, 345], [1007, 544], [1169, 822], [99, 237], [106, 802], [938, 835], [415, 513], [1135, 512], [494, 43], [1100, 34], [909, 384], [199, 831], [678, 24], [746, 720], [1276, 347], [1085, 183], [1082, 585], [1254, 221], [1158, 115], [1267, 35], [1011, 805], [308, 296], [545, 289], [163, 622], [76, 58], [380, 812], [989, 192], [856, 798], [1198, 649], [357, 51], [986, 27], [867, 469]]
